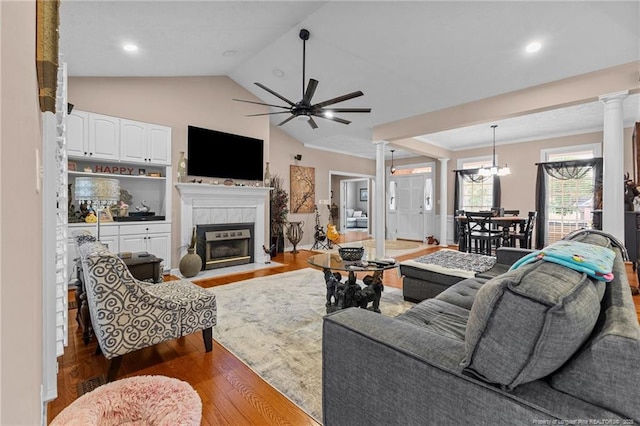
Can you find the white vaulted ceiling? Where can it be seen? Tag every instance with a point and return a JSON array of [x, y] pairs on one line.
[[409, 58]]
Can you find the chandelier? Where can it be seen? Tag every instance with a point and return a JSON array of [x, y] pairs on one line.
[[494, 169]]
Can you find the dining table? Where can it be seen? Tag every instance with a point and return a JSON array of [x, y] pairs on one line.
[[506, 223]]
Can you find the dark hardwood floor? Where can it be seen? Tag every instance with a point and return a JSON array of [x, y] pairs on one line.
[[231, 393]]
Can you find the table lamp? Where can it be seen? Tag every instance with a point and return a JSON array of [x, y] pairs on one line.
[[99, 192]]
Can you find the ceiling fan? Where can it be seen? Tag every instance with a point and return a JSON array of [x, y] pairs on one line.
[[304, 108]]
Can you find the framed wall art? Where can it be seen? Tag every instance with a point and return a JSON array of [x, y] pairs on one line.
[[364, 194], [303, 189]]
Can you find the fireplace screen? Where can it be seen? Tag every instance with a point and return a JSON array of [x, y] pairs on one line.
[[226, 247]]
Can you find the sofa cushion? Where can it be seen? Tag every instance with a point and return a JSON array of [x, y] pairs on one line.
[[528, 322], [350, 212], [357, 213], [463, 293]]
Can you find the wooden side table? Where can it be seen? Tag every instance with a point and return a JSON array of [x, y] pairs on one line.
[[144, 266]]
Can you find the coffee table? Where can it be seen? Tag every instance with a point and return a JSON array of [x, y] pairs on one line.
[[350, 294]]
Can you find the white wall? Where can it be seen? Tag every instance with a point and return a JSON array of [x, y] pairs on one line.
[[20, 219]]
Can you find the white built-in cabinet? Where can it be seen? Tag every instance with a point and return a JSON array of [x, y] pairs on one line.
[[138, 154], [144, 142], [150, 237], [93, 136]]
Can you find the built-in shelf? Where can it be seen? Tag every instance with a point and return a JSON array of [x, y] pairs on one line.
[[116, 176]]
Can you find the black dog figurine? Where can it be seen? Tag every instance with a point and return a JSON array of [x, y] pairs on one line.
[[346, 292], [371, 293], [332, 280]]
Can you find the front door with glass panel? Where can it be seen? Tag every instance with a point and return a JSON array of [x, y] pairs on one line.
[[411, 207]]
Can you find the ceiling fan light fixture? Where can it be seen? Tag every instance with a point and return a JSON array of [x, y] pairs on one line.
[[130, 47], [305, 109]]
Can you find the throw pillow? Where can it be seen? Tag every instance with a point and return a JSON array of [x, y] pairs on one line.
[[350, 212], [528, 322], [357, 213]]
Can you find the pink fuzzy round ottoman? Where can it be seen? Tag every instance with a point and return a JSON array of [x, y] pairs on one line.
[[141, 400]]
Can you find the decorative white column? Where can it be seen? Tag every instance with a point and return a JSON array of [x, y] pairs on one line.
[[380, 201], [443, 201], [613, 164]]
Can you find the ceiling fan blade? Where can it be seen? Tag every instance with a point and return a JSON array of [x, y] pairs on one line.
[[261, 103], [339, 99], [268, 113], [338, 119], [286, 120], [311, 89], [312, 123], [348, 110], [262, 86]]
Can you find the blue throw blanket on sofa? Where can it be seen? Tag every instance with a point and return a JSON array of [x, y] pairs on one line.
[[595, 261]]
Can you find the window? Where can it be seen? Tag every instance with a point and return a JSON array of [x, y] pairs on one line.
[[569, 199], [477, 192]]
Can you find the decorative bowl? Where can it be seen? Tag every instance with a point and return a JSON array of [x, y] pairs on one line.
[[349, 254]]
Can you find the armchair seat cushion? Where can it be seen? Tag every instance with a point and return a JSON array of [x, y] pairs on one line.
[[194, 303]]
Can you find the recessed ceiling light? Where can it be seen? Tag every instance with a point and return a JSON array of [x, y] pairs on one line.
[[229, 53], [130, 47], [534, 46], [278, 72]]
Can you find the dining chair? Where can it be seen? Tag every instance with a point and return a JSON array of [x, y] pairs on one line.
[[510, 227], [461, 226], [524, 236], [482, 233]]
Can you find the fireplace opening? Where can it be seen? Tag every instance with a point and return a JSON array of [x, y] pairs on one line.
[[223, 245]]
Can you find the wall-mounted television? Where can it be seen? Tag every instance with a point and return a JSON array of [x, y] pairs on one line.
[[211, 153]]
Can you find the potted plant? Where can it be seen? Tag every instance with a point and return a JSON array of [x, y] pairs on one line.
[[279, 201]]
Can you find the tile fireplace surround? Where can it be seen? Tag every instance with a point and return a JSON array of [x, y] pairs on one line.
[[203, 204]]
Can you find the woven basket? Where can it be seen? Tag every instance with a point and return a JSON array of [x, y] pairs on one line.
[[351, 253]]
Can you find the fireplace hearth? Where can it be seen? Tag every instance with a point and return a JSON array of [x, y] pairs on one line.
[[223, 245]]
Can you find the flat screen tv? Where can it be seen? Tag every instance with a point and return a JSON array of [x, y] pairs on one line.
[[223, 155]]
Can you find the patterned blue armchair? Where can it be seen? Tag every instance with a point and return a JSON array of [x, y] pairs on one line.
[[128, 314]]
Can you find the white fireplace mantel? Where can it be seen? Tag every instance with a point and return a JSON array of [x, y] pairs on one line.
[[202, 204]]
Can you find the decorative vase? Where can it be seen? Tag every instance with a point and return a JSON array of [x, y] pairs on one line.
[[294, 233], [267, 176], [190, 264], [182, 168], [273, 248]]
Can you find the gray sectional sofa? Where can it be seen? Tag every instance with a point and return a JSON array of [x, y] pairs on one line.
[[542, 344]]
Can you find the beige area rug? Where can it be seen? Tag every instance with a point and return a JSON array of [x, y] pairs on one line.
[[274, 325], [392, 248]]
